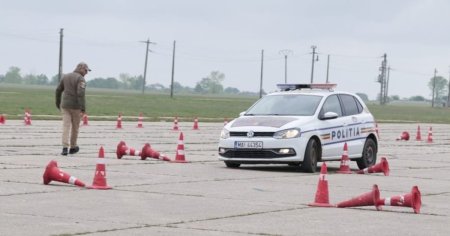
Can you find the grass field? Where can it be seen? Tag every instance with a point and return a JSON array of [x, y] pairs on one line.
[[106, 104]]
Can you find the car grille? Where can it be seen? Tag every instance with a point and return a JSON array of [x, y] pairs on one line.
[[256, 134], [267, 153]]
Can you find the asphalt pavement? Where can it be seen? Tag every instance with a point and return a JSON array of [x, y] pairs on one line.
[[203, 197]]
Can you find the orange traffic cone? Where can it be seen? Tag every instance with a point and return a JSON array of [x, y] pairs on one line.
[[403, 136], [119, 121], [100, 172], [345, 162], [195, 124], [146, 151], [2, 119], [180, 158], [418, 136], [27, 117], [383, 166], [371, 198], [122, 150], [140, 119], [85, 119], [53, 173], [175, 123], [430, 135], [322, 199], [412, 199]]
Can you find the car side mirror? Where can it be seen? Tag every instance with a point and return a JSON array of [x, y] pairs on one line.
[[329, 115], [242, 113]]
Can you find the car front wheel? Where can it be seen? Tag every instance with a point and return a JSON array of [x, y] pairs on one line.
[[369, 155], [311, 156]]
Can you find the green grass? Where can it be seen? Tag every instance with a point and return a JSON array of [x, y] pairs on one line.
[[106, 104]]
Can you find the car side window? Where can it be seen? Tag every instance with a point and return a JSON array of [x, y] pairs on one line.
[[332, 104], [350, 104]]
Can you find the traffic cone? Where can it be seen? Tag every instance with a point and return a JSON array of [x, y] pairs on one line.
[[119, 121], [140, 120], [403, 136], [2, 119], [322, 199], [383, 166], [412, 199], [99, 181], [27, 117], [195, 124], [53, 173], [345, 162], [175, 123], [122, 150], [180, 158], [85, 119], [430, 135], [418, 136], [371, 198], [146, 151]]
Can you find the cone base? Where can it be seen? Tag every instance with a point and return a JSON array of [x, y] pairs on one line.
[[180, 161], [344, 172], [316, 204], [99, 187]]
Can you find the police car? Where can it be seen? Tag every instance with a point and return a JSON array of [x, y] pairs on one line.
[[301, 124]]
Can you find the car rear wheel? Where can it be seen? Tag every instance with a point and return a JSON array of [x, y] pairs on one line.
[[369, 155], [311, 156], [232, 164]]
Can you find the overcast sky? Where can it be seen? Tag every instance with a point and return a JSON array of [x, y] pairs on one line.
[[228, 36]]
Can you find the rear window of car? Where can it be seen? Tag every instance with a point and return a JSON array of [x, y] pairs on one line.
[[351, 104], [286, 105]]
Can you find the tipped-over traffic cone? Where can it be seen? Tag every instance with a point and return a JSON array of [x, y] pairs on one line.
[[195, 127], [119, 121], [345, 162], [175, 123], [100, 172], [430, 135], [418, 136], [371, 198], [2, 119], [383, 166], [27, 117], [53, 173], [321, 199], [85, 119], [146, 151], [180, 158], [412, 199], [122, 150], [403, 136], [140, 120]]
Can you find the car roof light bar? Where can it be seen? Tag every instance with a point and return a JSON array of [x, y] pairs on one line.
[[288, 87]]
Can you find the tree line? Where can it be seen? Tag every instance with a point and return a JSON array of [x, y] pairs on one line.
[[211, 84]]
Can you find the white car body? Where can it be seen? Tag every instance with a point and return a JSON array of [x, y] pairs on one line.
[[250, 137]]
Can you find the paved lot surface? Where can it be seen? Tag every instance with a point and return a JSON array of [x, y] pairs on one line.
[[203, 197]]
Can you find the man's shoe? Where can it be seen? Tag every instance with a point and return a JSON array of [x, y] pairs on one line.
[[64, 152], [74, 150]]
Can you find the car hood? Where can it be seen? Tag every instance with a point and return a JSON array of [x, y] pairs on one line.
[[268, 121]]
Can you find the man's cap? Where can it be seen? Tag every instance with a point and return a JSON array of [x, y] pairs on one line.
[[82, 65]]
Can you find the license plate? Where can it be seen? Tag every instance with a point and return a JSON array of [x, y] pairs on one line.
[[248, 144]]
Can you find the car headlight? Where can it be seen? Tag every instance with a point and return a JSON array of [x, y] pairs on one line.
[[287, 133], [224, 134]]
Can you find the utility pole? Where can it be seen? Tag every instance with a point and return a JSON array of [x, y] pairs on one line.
[[60, 54], [146, 59], [173, 69], [312, 63], [448, 95], [434, 88], [285, 53], [328, 67], [382, 79], [386, 94], [261, 79]]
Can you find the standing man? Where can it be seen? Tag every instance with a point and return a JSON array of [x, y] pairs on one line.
[[72, 86]]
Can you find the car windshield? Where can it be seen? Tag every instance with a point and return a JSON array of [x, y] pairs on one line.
[[285, 105]]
